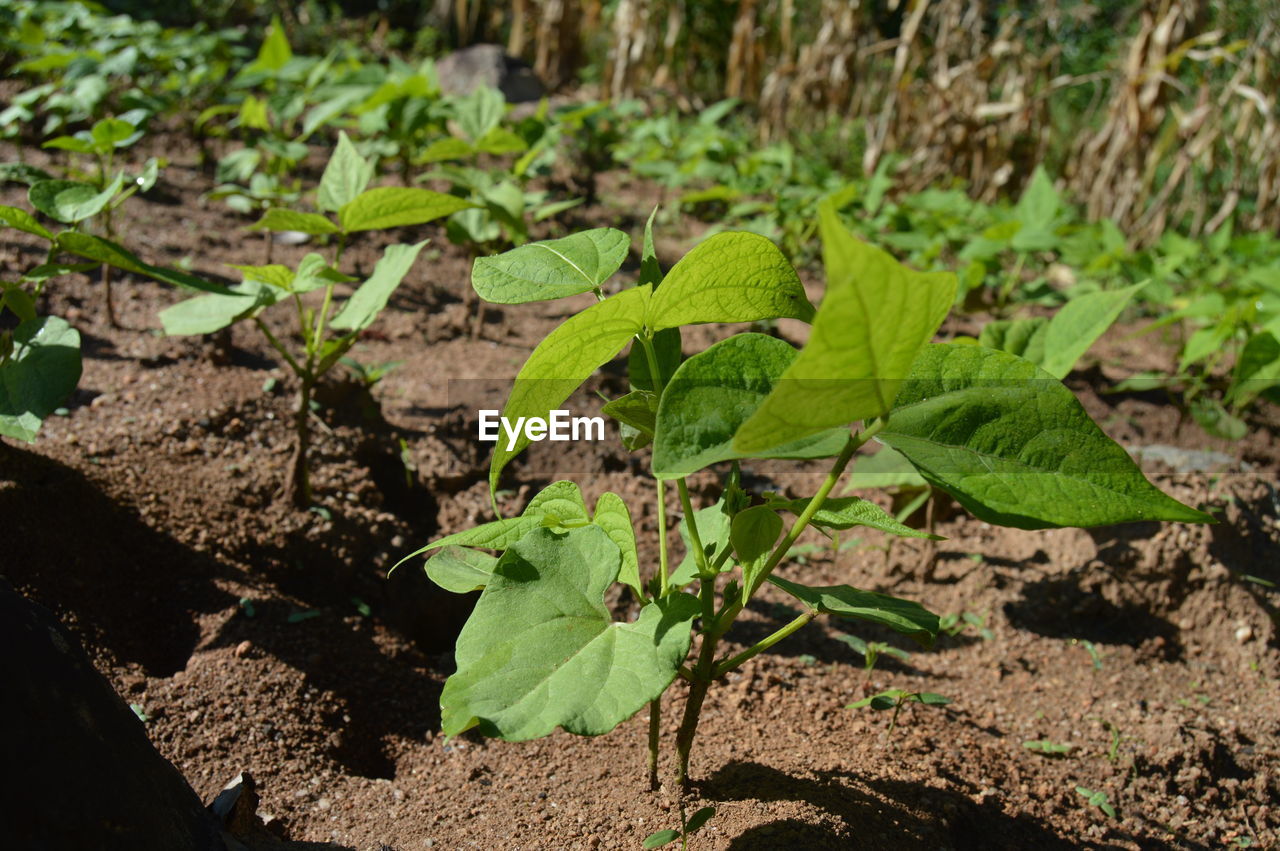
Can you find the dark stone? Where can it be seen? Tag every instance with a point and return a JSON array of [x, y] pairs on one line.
[[462, 71], [83, 773]]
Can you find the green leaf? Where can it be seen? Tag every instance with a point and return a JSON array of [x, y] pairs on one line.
[[904, 616], [753, 533], [713, 393], [887, 468], [650, 269], [1257, 369], [1056, 344], [731, 277], [1015, 447], [20, 219], [1038, 206], [714, 525], [111, 133], [19, 301], [211, 312], [449, 148], [279, 219], [873, 320], [564, 359], [559, 504], [275, 52], [397, 206], [555, 268], [105, 251], [22, 173], [496, 535], [666, 351], [541, 651], [638, 409], [612, 516], [69, 201], [698, 819], [480, 111], [659, 838], [848, 512], [367, 302], [77, 144], [40, 372], [460, 570], [344, 178]]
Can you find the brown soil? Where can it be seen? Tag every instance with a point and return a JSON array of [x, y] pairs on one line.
[[264, 639]]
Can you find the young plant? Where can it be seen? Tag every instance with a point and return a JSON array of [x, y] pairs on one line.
[[327, 332], [895, 699], [695, 822], [541, 650], [870, 651], [101, 190]]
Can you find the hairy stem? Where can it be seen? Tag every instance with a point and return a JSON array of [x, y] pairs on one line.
[[299, 480]]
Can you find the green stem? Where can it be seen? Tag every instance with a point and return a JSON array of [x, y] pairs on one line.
[[662, 538], [655, 739], [764, 644], [284, 353]]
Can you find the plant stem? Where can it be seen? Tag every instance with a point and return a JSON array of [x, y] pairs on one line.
[[764, 644], [714, 627], [655, 739], [662, 537], [299, 481]]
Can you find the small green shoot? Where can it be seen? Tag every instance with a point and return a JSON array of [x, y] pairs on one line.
[[661, 838], [1097, 799], [895, 699], [1048, 748]]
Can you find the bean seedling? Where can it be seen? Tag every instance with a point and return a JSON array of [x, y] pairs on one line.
[[1003, 437]]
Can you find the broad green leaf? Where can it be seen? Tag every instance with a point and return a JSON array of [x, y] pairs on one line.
[[449, 148], [40, 372], [559, 504], [112, 133], [19, 302], [666, 351], [77, 144], [69, 201], [1056, 344], [904, 616], [275, 52], [20, 219], [367, 302], [638, 409], [564, 359], [1036, 211], [541, 271], [274, 274], [713, 393], [887, 468], [344, 178], [480, 111], [460, 570], [496, 535], [753, 533], [612, 516], [731, 277], [106, 251], [1257, 370], [397, 206], [500, 141], [847, 512], [1015, 447], [659, 838], [211, 312], [541, 651], [22, 173], [713, 524], [873, 320], [698, 819], [279, 219]]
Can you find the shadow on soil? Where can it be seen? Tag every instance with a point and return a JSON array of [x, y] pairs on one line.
[[94, 563], [875, 813]]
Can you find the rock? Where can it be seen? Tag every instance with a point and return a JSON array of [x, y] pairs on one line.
[[85, 774], [462, 71]]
